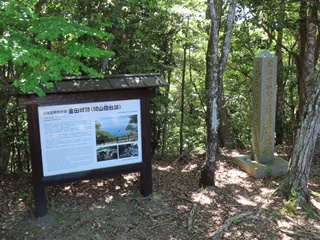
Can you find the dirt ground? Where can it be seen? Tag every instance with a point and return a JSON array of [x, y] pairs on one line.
[[238, 207]]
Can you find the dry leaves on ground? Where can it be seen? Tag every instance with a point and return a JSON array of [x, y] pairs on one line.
[[238, 207]]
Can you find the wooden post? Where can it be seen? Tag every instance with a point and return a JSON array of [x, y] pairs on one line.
[[146, 174], [36, 161]]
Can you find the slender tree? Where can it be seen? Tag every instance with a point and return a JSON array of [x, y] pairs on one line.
[[215, 63], [296, 181], [183, 83], [280, 82]]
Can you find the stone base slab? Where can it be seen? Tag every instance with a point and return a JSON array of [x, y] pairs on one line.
[[276, 167]]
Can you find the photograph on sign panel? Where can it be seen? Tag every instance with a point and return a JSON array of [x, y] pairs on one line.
[[107, 153], [128, 150], [117, 129]]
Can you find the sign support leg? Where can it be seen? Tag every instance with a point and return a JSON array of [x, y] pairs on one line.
[[146, 174], [40, 201], [36, 160]]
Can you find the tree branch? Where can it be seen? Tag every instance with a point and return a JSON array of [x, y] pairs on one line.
[[229, 221], [300, 234], [106, 60], [227, 35], [191, 216]]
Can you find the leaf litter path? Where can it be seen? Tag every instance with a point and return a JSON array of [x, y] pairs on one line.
[[238, 207]]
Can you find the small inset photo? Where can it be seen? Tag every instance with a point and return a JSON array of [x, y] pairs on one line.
[[116, 129], [107, 153], [128, 150]]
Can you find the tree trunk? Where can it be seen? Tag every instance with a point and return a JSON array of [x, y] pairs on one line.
[[224, 127], [166, 104], [165, 122], [295, 183], [311, 48], [182, 99], [279, 127], [212, 121], [105, 62], [300, 59], [4, 154], [214, 70], [5, 74]]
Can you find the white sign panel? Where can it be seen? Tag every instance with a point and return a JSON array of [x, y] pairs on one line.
[[79, 137]]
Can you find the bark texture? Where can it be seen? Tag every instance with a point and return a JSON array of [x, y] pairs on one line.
[[296, 181], [280, 82], [215, 66]]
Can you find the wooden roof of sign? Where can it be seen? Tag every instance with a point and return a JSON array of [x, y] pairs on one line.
[[109, 82]]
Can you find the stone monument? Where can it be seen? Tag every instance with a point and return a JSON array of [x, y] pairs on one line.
[[262, 162]]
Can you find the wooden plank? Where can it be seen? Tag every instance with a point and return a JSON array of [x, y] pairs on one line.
[[66, 86], [135, 81], [101, 84], [93, 174], [151, 81], [82, 97], [117, 82], [89, 84], [84, 86]]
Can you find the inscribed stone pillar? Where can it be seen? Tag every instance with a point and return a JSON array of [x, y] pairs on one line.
[[264, 106]]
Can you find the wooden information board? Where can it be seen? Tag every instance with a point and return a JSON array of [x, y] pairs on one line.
[[87, 128]]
